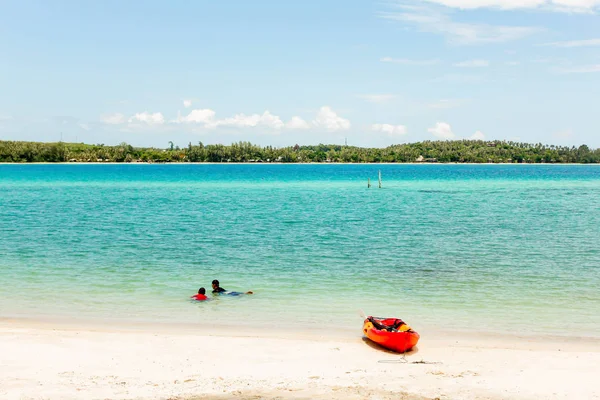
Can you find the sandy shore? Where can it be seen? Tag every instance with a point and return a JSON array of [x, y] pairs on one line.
[[42, 361]]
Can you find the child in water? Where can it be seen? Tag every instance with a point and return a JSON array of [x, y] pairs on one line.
[[217, 289], [201, 296]]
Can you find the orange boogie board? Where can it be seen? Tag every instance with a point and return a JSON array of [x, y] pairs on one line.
[[391, 333]]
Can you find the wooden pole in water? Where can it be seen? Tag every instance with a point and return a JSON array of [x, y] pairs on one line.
[[379, 179]]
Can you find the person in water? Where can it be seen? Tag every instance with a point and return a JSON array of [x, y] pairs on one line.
[[217, 289], [201, 296]]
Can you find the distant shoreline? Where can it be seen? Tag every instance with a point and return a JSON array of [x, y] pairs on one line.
[[426, 152], [285, 163]]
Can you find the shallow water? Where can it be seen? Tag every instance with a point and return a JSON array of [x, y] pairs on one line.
[[460, 247]]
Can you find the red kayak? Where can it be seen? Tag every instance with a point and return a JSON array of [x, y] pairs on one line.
[[391, 333]]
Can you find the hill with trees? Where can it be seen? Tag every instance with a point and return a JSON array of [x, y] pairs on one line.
[[462, 151]]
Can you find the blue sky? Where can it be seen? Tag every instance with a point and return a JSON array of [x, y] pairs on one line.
[[286, 72]]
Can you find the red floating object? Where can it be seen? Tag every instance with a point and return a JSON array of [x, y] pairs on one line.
[[391, 333]]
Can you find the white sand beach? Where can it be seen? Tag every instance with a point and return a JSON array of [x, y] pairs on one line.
[[67, 361]]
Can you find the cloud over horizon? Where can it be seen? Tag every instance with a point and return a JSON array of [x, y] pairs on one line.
[[148, 118], [477, 136], [329, 120], [390, 130], [442, 130], [326, 118]]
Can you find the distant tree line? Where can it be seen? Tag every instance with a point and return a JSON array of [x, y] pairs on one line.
[[461, 151]]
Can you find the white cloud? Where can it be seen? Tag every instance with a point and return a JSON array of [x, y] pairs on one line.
[[442, 130], [582, 69], [325, 119], [297, 123], [405, 61], [429, 20], [473, 64], [206, 117], [555, 5], [575, 43], [113, 119], [148, 118], [187, 103], [390, 130], [477, 136], [329, 120], [512, 63], [446, 103], [5, 117], [266, 119], [377, 98], [198, 116], [85, 127]]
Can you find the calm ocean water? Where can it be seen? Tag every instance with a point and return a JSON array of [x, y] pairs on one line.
[[458, 247]]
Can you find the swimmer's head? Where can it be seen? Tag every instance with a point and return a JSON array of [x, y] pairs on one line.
[[201, 291]]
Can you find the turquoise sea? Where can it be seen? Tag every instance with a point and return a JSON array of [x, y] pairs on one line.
[[487, 248]]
